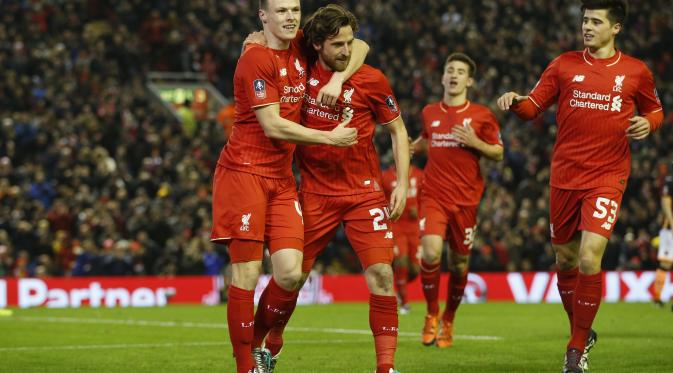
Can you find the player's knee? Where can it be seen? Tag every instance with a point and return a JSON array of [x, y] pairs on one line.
[[431, 256], [245, 275], [590, 264], [566, 259], [380, 279], [290, 279]]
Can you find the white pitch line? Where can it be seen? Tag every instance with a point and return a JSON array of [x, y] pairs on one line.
[[162, 345], [174, 324]]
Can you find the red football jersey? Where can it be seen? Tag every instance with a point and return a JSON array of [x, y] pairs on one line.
[[415, 180], [329, 170], [596, 98], [452, 174], [265, 76]]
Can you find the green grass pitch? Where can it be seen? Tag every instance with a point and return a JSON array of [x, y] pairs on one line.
[[491, 337]]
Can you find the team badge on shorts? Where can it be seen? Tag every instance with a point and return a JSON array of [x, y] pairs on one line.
[[392, 106], [260, 88]]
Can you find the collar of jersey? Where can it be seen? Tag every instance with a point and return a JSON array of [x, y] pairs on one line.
[[607, 62], [455, 109]]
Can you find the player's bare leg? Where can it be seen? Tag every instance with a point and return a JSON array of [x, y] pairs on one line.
[[458, 269], [383, 314], [431, 254], [240, 312], [279, 297], [660, 279]]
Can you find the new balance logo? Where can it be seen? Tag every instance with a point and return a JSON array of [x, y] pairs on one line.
[[578, 78], [283, 72], [389, 235], [313, 82], [467, 122], [616, 104], [435, 123], [245, 222], [421, 224]]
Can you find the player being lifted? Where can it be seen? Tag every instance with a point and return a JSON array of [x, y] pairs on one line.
[[406, 234], [344, 185], [456, 133], [665, 254], [598, 92], [254, 192]]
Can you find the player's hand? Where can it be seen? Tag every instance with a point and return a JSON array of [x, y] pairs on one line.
[[256, 37], [330, 92], [508, 99], [466, 136], [639, 128], [342, 135], [412, 147], [398, 199]]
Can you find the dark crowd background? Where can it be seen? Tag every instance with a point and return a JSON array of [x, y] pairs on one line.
[[97, 178]]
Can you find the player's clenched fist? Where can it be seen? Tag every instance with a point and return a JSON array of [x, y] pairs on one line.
[[639, 128], [508, 99], [341, 135]]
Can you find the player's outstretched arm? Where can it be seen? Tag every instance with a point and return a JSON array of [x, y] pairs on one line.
[[400, 140], [330, 92], [278, 128], [467, 136], [522, 106]]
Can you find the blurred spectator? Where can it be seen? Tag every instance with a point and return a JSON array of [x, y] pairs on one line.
[[96, 178]]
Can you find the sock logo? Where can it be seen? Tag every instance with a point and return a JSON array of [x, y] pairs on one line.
[[587, 304], [390, 329], [275, 310], [247, 324]]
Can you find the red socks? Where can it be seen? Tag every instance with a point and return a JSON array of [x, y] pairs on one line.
[[430, 282], [384, 324], [587, 300], [566, 283], [454, 295], [401, 276], [240, 311], [274, 310]]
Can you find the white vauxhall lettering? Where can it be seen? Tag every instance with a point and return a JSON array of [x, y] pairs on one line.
[[3, 294], [638, 287]]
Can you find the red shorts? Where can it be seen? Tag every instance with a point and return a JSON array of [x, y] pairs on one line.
[[594, 210], [407, 240], [255, 208], [455, 224], [365, 220]]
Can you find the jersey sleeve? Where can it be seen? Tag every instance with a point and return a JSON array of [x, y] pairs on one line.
[[490, 131], [647, 99], [258, 76], [546, 90], [382, 100]]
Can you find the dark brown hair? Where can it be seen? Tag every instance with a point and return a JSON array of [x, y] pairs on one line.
[[618, 10], [462, 57], [326, 23]]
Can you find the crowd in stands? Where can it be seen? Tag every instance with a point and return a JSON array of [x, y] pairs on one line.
[[97, 178]]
